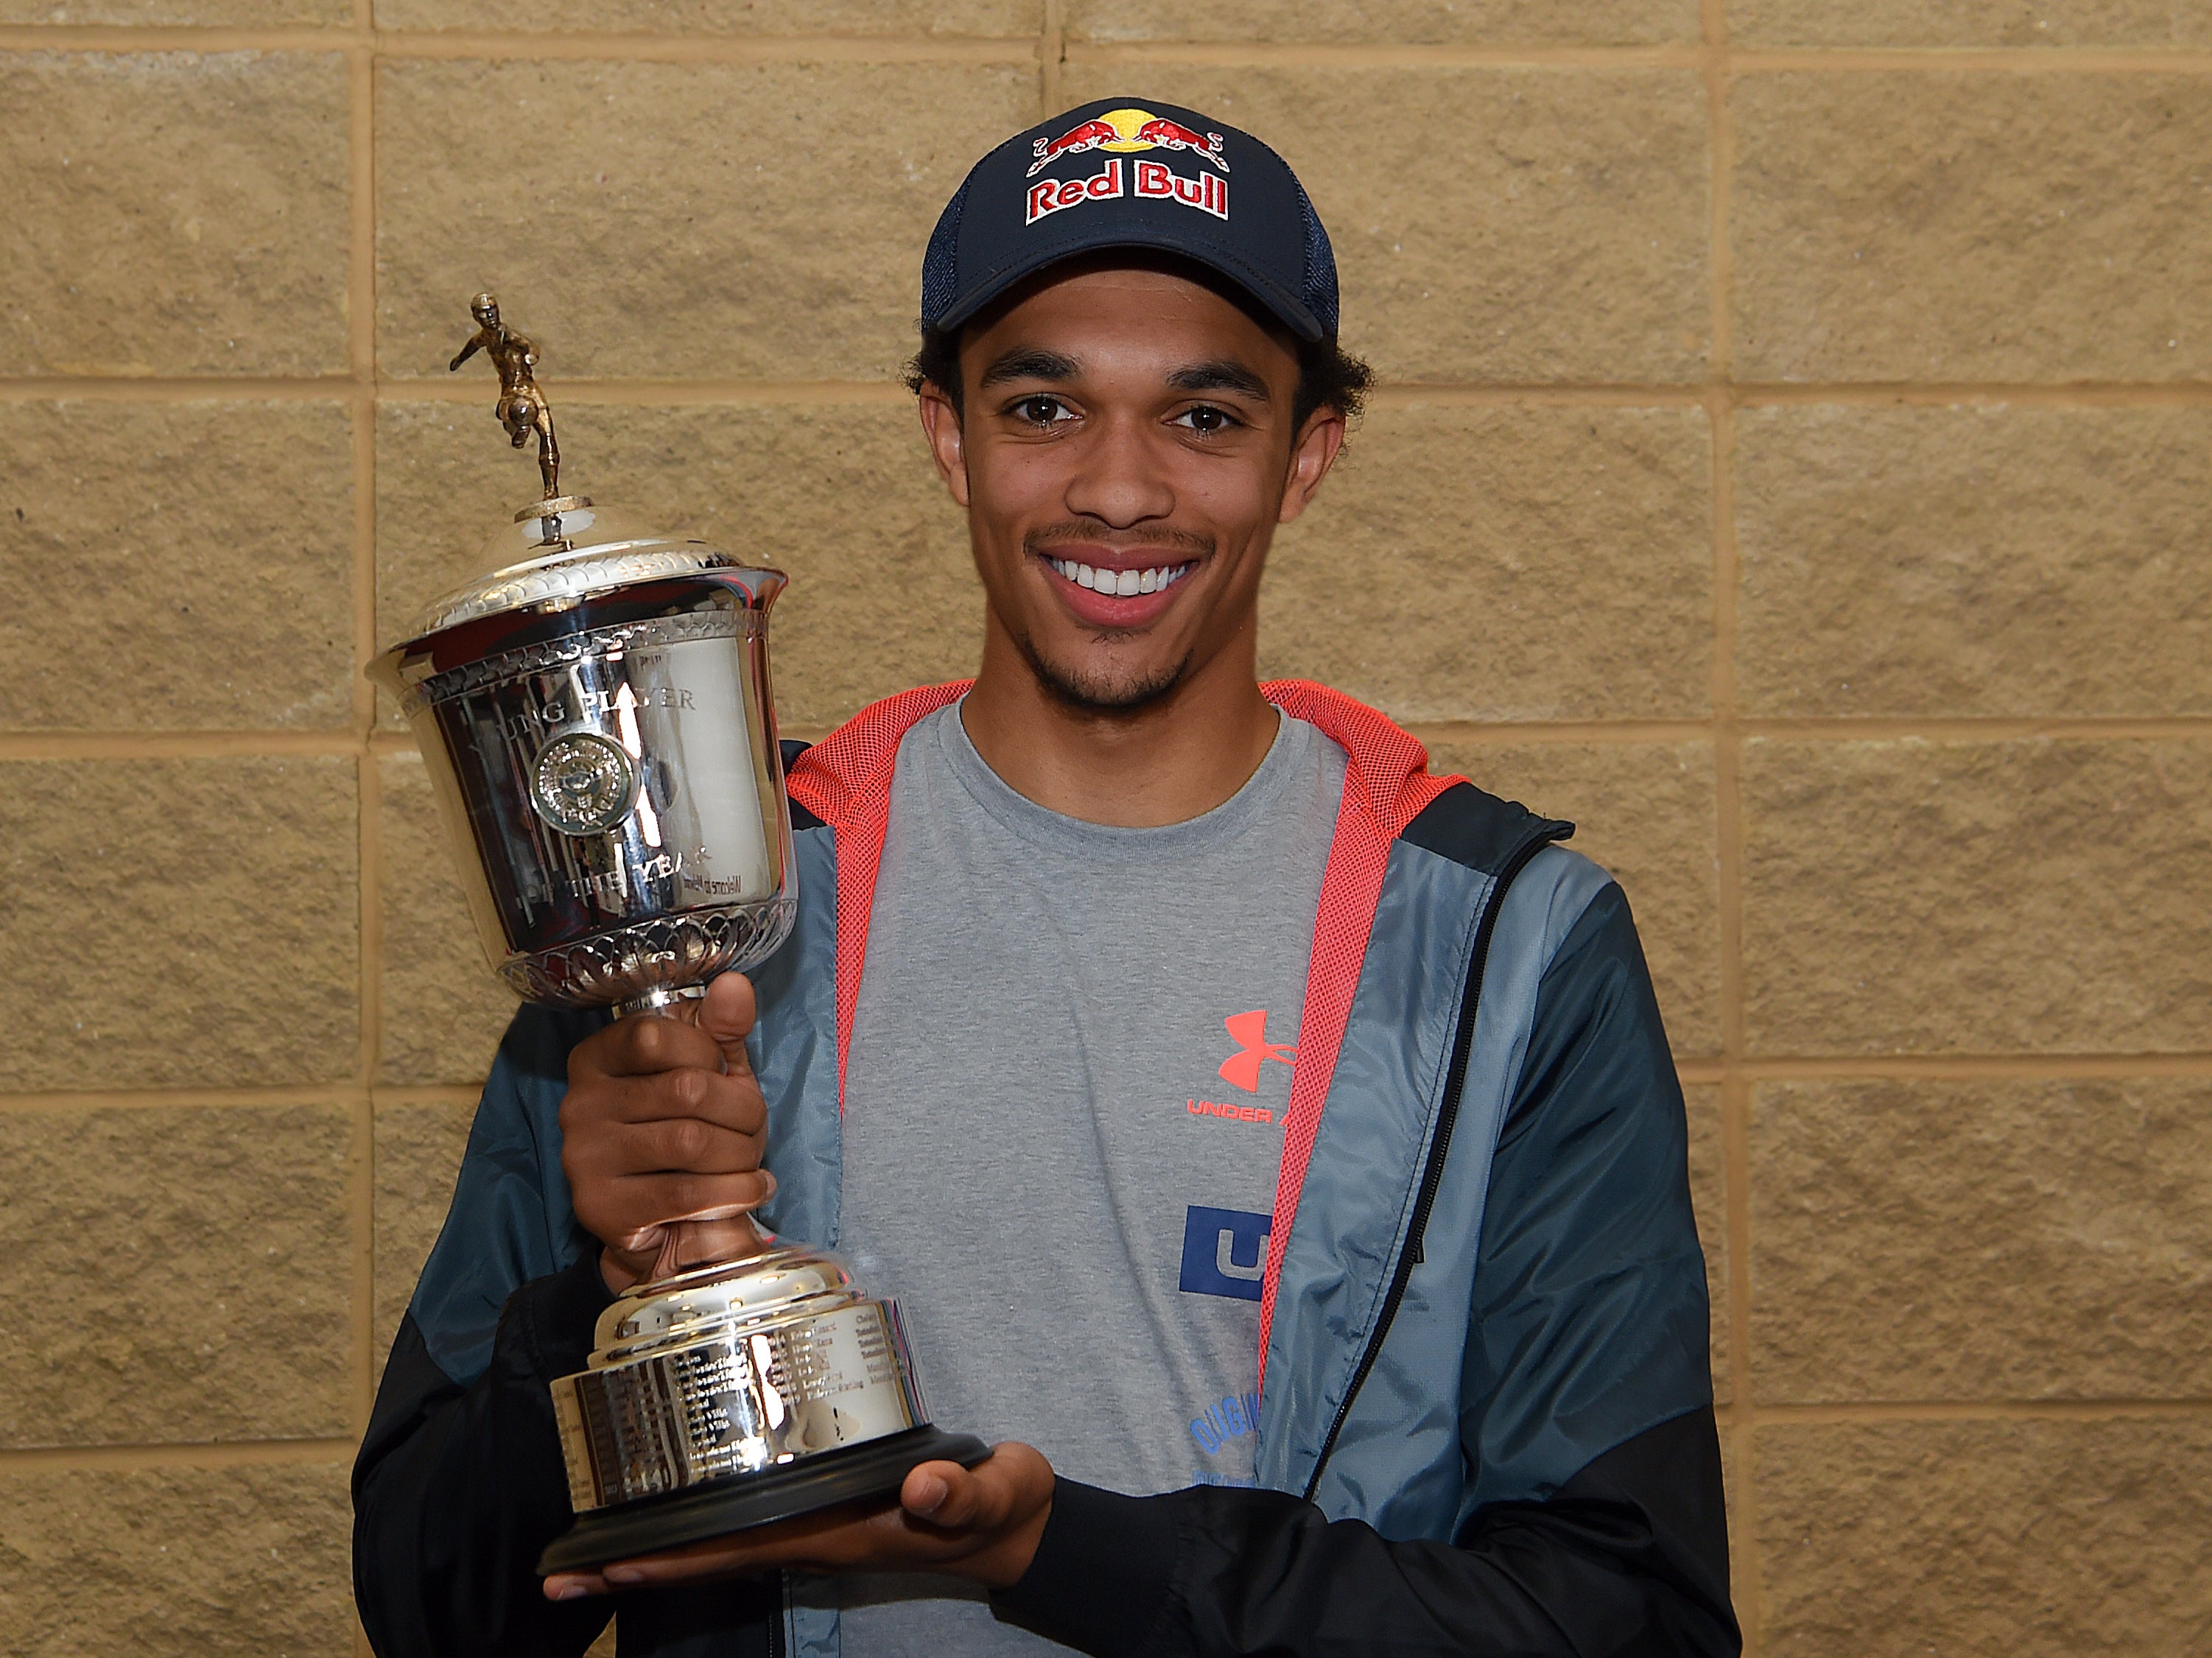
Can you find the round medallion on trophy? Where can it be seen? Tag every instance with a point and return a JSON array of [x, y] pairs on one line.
[[583, 783]]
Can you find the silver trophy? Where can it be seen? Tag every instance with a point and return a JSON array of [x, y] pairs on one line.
[[595, 718]]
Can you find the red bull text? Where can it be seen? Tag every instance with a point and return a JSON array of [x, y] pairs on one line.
[[1148, 179]]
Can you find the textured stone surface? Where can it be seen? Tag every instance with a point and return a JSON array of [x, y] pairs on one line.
[[883, 593], [1645, 810], [1492, 224], [173, 213], [1970, 227], [1985, 1540], [1517, 564], [2032, 896], [1408, 22], [161, 1561], [1968, 23], [210, 1239], [1983, 1239], [806, 17], [715, 219], [1708, 1191], [1974, 560], [201, 553], [178, 923], [443, 1008], [418, 1152]]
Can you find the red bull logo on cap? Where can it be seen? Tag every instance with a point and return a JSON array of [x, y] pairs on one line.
[[1127, 131]]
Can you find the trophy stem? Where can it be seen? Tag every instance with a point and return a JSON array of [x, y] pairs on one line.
[[679, 1254], [664, 1000]]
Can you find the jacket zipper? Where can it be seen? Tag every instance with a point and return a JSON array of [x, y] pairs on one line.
[[1432, 1172], [776, 1621]]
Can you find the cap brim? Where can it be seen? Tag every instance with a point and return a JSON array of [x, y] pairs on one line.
[[1287, 307]]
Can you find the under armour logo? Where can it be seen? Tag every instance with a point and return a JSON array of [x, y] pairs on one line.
[[1249, 1031]]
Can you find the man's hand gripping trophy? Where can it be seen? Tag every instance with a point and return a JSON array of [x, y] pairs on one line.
[[661, 1135], [522, 407]]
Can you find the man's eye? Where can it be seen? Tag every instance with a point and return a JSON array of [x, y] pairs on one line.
[[1207, 419], [1042, 410]]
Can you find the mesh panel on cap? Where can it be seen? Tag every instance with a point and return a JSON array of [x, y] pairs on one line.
[[940, 265], [1321, 267]]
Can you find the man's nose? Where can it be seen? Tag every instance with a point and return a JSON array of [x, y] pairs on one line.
[[1119, 483]]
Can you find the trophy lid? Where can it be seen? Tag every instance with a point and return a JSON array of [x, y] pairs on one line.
[[559, 551]]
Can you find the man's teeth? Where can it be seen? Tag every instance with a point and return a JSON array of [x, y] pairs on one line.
[[1121, 583]]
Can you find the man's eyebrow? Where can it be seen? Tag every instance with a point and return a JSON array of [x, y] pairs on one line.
[[1223, 374], [1030, 362]]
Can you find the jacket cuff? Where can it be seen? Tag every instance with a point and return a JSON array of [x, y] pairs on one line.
[[1104, 1570], [557, 1316]]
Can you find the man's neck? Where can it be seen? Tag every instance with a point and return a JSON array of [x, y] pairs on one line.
[[1166, 763]]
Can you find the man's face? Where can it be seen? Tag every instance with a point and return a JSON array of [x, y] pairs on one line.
[[1125, 455]]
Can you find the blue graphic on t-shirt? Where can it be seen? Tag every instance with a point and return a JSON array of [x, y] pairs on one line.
[[1225, 1252], [1237, 1415]]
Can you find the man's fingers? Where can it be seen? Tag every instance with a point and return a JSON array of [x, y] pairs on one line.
[[687, 1145], [725, 1015], [641, 1047], [946, 1495], [729, 1102]]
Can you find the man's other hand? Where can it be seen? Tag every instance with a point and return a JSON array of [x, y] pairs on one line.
[[981, 1523], [664, 1120]]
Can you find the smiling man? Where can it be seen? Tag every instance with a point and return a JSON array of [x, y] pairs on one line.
[[1275, 1146]]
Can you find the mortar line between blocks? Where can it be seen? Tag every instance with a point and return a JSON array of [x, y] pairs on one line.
[[180, 1099], [228, 1454], [1736, 1186], [687, 46], [360, 294], [2017, 60], [1051, 57], [360, 300], [1995, 1410], [574, 45]]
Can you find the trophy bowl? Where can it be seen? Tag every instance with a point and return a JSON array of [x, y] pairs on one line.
[[595, 716]]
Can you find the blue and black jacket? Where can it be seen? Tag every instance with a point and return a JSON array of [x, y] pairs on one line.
[[1486, 1423]]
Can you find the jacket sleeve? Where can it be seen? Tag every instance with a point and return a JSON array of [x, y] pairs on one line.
[[456, 1489], [459, 1484], [1587, 1328]]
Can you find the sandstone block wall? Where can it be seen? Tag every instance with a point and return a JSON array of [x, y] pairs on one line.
[[1792, 461]]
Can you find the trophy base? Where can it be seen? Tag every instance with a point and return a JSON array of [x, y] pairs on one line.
[[736, 1502]]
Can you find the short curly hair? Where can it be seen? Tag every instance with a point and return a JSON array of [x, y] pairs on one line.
[[1328, 376]]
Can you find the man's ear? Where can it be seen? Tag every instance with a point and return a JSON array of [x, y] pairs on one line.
[[947, 446], [1312, 454]]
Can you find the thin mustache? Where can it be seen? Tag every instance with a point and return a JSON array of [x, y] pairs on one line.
[[1188, 542]]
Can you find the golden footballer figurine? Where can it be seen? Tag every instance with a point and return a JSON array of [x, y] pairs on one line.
[[522, 407]]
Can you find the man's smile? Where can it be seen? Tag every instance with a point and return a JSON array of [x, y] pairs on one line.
[[1108, 587]]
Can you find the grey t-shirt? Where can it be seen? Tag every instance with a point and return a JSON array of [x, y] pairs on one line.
[[1063, 1105]]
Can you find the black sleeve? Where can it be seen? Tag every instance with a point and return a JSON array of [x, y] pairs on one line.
[[456, 1489], [1628, 1556], [1589, 1326]]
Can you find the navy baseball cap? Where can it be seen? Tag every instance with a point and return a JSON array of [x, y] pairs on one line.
[[1122, 172]]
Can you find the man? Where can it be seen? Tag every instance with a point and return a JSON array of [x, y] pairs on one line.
[[1276, 1146]]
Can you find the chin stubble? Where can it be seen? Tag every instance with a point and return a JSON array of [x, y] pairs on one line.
[[1091, 694]]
